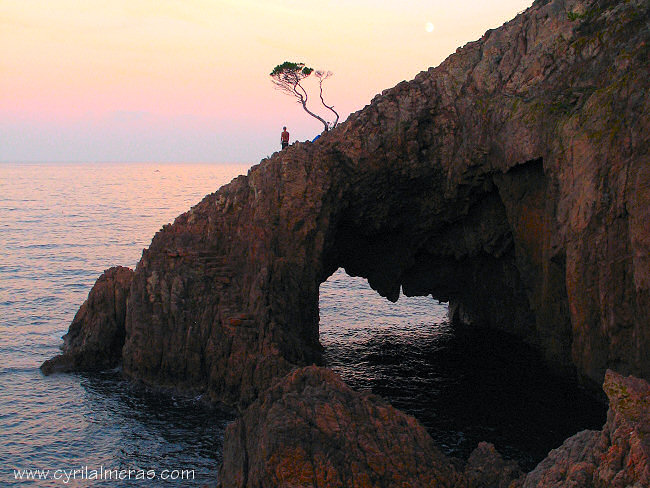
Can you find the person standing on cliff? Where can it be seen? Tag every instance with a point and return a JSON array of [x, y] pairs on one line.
[[284, 138]]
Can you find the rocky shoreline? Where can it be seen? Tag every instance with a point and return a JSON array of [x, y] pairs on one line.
[[311, 430], [96, 335], [513, 181]]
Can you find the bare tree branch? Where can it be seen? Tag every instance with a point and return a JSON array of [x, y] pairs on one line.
[[322, 76]]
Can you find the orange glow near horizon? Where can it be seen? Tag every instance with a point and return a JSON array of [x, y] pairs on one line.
[[76, 61]]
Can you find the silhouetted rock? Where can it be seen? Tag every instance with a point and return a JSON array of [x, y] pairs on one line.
[[616, 457], [311, 430], [95, 338]]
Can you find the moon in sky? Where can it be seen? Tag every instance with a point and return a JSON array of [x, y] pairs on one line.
[[428, 27]]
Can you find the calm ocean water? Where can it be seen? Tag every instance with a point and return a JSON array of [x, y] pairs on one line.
[[63, 224]]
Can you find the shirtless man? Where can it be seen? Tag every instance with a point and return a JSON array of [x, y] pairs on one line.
[[284, 138]]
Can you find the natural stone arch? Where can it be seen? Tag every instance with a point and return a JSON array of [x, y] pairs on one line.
[[228, 295], [528, 129]]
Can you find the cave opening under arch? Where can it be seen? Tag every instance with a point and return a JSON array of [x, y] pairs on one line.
[[465, 383]]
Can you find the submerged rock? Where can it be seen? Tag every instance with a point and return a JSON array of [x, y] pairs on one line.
[[96, 335]]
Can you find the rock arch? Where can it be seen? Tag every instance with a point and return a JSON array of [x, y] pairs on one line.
[[512, 180], [252, 291]]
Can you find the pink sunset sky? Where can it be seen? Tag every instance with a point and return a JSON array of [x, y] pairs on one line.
[[187, 80]]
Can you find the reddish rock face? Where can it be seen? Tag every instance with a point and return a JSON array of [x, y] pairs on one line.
[[512, 180], [616, 457], [96, 335], [311, 430]]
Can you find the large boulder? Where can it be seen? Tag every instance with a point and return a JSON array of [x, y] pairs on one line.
[[311, 430], [96, 335]]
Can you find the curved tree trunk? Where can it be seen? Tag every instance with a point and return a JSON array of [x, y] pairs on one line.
[[304, 105], [302, 98], [331, 109]]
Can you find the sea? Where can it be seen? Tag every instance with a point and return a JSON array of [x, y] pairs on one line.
[[62, 224]]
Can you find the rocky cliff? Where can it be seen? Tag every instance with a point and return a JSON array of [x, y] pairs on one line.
[[512, 180], [311, 430], [96, 336]]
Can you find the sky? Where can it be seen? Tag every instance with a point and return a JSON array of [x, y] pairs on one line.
[[188, 80]]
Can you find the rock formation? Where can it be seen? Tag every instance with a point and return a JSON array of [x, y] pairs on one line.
[[486, 468], [616, 457], [96, 335], [311, 430], [512, 180]]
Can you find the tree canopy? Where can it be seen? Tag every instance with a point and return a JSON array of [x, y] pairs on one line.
[[287, 77]]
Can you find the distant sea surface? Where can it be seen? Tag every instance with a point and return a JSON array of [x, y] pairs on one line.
[[61, 225]]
